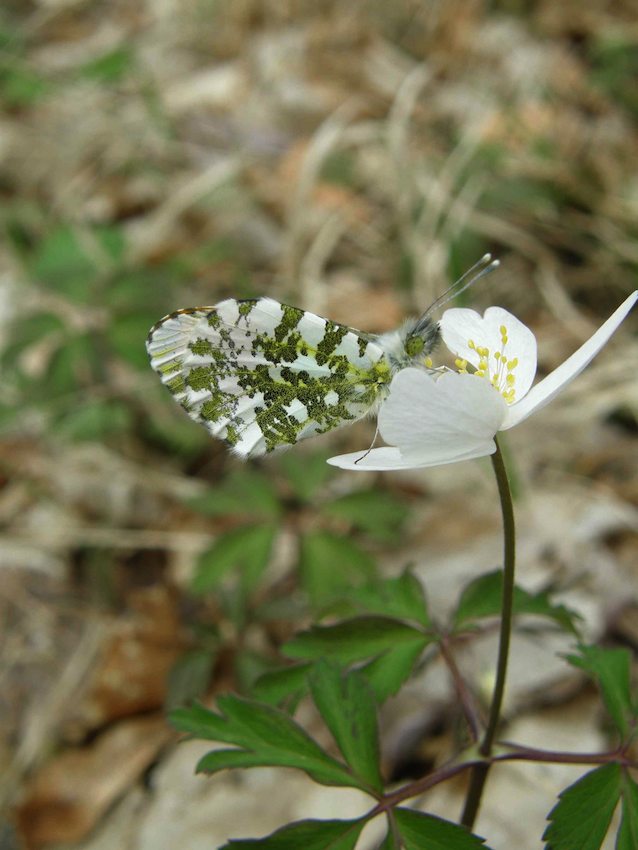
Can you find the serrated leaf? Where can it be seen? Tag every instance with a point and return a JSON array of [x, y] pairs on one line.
[[627, 838], [377, 512], [306, 835], [611, 669], [264, 737], [275, 685], [402, 597], [583, 813], [482, 598], [419, 831], [346, 704], [354, 640], [246, 549], [388, 671], [331, 564]]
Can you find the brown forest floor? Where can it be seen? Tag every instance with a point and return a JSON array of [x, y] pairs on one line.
[[351, 159]]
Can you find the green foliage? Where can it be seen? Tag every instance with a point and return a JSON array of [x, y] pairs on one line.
[[583, 813], [189, 677], [95, 420], [243, 492], [377, 512], [307, 835], [125, 338], [391, 841], [306, 473], [283, 684], [615, 66], [402, 597], [354, 640], [627, 838], [390, 647], [392, 668], [329, 564], [611, 669], [20, 86], [483, 597], [246, 549], [419, 831], [265, 736], [61, 263], [347, 706], [261, 736]]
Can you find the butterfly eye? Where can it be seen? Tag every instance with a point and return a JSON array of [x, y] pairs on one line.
[[414, 345]]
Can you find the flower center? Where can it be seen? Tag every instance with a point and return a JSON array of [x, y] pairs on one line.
[[494, 366]]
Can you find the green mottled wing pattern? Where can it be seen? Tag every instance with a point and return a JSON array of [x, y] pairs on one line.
[[262, 375]]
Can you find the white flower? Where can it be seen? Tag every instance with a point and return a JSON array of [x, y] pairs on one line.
[[432, 418]]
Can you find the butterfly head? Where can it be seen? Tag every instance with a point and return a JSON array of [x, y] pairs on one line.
[[421, 339]]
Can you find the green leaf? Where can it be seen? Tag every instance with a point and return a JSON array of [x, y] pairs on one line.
[[168, 425], [276, 685], [346, 704], [388, 671], [627, 838], [95, 420], [331, 564], [246, 549], [354, 640], [583, 813], [402, 597], [390, 842], [306, 473], [377, 512], [420, 831], [264, 736], [244, 492], [72, 366], [60, 262], [307, 835], [611, 669], [482, 598], [126, 335], [189, 677], [32, 329]]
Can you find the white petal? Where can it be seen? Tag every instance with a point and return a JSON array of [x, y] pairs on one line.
[[549, 387], [460, 325], [372, 460], [388, 458], [438, 420]]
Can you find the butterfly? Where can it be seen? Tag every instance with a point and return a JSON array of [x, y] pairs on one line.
[[263, 375]]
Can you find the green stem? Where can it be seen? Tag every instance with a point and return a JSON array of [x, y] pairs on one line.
[[479, 772]]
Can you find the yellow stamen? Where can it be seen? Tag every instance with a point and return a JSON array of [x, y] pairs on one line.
[[501, 376]]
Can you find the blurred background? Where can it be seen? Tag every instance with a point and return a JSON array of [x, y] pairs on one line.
[[348, 158]]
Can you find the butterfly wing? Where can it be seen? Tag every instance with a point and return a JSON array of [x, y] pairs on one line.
[[262, 375]]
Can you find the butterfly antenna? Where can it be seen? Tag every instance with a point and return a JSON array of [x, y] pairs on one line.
[[374, 439], [484, 266]]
